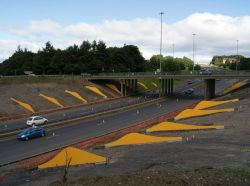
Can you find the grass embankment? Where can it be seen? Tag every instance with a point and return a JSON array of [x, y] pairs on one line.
[[201, 176]]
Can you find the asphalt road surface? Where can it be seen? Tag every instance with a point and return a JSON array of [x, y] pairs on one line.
[[13, 150]]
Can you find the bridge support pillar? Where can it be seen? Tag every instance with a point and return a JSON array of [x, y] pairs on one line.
[[165, 87], [209, 89], [128, 86]]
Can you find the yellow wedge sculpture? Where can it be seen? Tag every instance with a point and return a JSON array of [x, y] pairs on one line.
[[72, 156], [114, 88], [96, 90], [24, 105], [189, 113], [207, 104], [154, 84], [235, 86], [142, 85], [52, 100], [170, 126], [137, 138], [76, 95]]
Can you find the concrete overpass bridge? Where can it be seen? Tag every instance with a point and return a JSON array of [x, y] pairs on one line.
[[128, 81]]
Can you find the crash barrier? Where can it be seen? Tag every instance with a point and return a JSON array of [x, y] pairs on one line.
[[137, 138], [235, 86], [171, 126], [72, 156], [24, 105], [208, 104], [142, 85], [114, 88], [76, 95], [189, 113], [96, 90], [52, 100], [154, 84]]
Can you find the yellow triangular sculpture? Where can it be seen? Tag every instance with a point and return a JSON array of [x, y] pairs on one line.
[[154, 84], [24, 105], [96, 90], [170, 126], [189, 113], [137, 138], [52, 100], [114, 88], [207, 104], [235, 86], [76, 95], [142, 84], [72, 156]]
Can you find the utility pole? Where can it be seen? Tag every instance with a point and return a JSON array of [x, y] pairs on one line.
[[173, 52], [193, 50], [161, 13], [237, 58]]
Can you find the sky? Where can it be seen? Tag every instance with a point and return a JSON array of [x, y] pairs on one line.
[[217, 25]]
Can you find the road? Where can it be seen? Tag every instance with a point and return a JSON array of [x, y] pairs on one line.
[[13, 150]]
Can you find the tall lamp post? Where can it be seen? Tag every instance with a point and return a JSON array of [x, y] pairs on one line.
[[237, 59], [161, 13], [173, 52], [193, 50]]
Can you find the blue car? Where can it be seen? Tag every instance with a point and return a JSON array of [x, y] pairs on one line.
[[31, 132]]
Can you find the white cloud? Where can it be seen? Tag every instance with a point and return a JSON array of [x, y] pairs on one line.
[[215, 35]]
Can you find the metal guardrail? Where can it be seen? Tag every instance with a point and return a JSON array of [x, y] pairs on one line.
[[182, 72]]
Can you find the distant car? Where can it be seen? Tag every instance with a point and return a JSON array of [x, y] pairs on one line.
[[189, 81], [205, 72], [36, 120], [31, 132], [85, 74], [189, 91]]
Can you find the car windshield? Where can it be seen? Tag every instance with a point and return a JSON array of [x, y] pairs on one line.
[[26, 130], [29, 119]]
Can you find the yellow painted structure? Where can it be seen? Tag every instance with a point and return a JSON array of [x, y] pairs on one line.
[[154, 84], [137, 138], [142, 85], [170, 126], [207, 104], [72, 156], [235, 86], [189, 113], [52, 100], [114, 88], [76, 95], [24, 105], [96, 90]]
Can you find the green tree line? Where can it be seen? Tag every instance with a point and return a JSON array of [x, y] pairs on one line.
[[88, 57], [243, 63]]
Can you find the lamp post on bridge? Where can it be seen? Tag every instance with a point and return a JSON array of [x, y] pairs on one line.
[[237, 59], [193, 49], [161, 13], [173, 52]]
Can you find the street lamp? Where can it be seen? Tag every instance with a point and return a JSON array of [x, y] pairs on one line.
[[193, 50], [173, 52], [161, 13], [237, 58]]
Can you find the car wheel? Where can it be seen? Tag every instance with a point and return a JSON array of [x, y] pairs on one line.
[[26, 138], [43, 134], [46, 121]]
